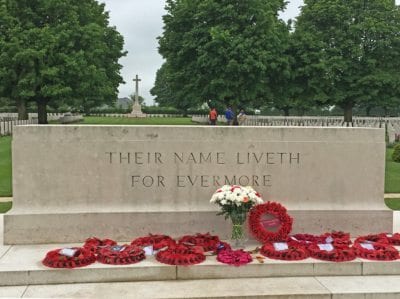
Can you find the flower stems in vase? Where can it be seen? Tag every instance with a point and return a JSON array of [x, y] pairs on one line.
[[235, 202], [238, 236]]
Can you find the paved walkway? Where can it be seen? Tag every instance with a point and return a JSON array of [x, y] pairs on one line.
[[5, 199], [392, 195]]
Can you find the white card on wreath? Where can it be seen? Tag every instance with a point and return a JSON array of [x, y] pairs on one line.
[[329, 239], [69, 252], [326, 247], [367, 246], [148, 250], [281, 246]]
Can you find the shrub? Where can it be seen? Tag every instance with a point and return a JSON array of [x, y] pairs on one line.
[[160, 110], [396, 153]]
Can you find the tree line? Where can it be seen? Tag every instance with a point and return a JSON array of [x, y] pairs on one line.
[[58, 52], [337, 53]]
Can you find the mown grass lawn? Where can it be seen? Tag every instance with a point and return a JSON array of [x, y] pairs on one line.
[[5, 166], [393, 203], [5, 206], [173, 121], [392, 174]]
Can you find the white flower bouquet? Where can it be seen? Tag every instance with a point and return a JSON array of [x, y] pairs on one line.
[[235, 202]]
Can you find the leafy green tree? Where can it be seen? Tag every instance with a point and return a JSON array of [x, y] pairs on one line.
[[162, 91], [56, 52], [217, 50], [354, 53]]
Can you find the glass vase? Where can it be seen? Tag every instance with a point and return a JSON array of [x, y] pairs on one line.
[[239, 231]]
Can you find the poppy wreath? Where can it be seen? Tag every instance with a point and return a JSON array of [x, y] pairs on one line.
[[373, 238], [158, 241], [206, 241], [257, 227], [340, 253], [335, 238], [221, 246], [120, 255], [339, 238], [95, 244], [234, 257], [392, 239], [306, 239], [380, 251], [181, 255], [295, 252], [81, 257]]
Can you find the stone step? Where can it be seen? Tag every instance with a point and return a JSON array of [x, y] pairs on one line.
[[330, 287], [21, 265]]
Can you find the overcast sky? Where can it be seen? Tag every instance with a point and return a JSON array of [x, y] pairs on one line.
[[140, 22]]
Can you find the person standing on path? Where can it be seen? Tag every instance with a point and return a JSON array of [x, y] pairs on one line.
[[229, 116], [213, 116], [241, 117]]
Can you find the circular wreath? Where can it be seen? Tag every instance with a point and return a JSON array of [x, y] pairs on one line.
[[335, 238], [181, 255], [221, 246], [306, 239], [206, 241], [339, 238], [79, 257], [158, 241], [258, 225], [234, 257], [338, 254], [392, 239], [380, 251], [120, 255], [373, 238], [95, 244], [293, 253]]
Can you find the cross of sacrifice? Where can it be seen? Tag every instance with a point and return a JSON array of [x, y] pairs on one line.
[[137, 80]]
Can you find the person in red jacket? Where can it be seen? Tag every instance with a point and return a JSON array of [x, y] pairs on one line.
[[213, 115]]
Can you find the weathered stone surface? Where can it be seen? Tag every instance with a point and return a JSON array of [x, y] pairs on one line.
[[284, 287], [72, 179]]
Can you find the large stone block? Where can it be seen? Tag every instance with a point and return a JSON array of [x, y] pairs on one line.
[[69, 181]]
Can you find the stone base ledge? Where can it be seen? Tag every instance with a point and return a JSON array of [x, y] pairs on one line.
[[76, 227], [319, 287], [21, 265]]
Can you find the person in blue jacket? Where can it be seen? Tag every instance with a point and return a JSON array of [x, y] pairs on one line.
[[229, 116]]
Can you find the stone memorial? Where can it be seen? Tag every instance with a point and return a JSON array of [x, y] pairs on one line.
[[136, 107], [73, 182]]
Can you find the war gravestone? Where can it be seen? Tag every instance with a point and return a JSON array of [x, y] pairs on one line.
[[73, 182]]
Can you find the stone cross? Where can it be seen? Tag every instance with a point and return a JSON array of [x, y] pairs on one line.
[[137, 80]]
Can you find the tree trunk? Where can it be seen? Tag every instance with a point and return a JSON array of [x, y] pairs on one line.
[[22, 111], [286, 111], [86, 109], [42, 112], [235, 110], [386, 111], [368, 111], [348, 113]]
